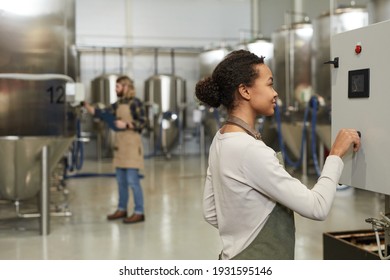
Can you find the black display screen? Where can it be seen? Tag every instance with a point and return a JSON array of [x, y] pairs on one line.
[[359, 83]]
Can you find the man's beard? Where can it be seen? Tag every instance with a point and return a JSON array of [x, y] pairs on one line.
[[119, 94]]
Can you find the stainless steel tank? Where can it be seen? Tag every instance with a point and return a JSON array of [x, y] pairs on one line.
[[325, 26], [39, 40], [34, 108], [20, 167], [209, 59], [103, 94], [165, 96], [292, 78], [292, 63], [103, 89], [260, 47]]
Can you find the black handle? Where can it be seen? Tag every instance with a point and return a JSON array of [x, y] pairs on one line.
[[360, 136], [335, 62]]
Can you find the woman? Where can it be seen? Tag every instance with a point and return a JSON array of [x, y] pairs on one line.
[[248, 195]]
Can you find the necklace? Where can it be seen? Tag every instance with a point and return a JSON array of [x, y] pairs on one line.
[[239, 122]]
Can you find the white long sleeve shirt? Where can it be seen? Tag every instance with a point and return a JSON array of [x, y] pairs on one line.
[[245, 180]]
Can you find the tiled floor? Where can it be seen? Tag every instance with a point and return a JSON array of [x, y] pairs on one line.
[[174, 227]]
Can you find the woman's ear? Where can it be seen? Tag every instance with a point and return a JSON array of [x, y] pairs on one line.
[[243, 91]]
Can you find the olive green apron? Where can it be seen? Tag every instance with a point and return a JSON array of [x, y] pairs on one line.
[[275, 241], [128, 150]]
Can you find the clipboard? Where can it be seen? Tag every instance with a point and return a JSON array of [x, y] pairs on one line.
[[108, 117]]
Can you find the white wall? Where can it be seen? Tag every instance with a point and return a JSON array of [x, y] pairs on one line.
[[189, 22], [100, 22]]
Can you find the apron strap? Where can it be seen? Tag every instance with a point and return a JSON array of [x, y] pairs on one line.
[[239, 122]]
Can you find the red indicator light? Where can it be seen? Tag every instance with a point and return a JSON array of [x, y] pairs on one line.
[[358, 49]]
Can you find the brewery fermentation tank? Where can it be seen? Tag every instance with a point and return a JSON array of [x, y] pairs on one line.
[[260, 47], [325, 26], [292, 79], [165, 98], [209, 59], [292, 64], [103, 89], [20, 167], [35, 111], [103, 94]]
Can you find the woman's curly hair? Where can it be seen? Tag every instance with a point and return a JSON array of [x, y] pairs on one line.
[[235, 69]]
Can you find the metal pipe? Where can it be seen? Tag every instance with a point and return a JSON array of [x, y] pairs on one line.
[[78, 66], [332, 5], [44, 194], [287, 57], [304, 157], [65, 38], [121, 60], [21, 215], [104, 60], [156, 61], [255, 23], [298, 6], [291, 67], [173, 61]]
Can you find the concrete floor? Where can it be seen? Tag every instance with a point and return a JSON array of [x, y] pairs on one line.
[[174, 227]]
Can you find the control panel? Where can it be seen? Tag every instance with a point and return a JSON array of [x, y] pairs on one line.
[[361, 100]]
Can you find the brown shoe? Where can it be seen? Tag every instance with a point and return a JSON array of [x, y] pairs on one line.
[[135, 218], [118, 214]]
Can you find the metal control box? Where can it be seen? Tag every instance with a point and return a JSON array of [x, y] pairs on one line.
[[361, 100]]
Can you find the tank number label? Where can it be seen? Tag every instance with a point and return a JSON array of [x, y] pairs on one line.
[[57, 94]]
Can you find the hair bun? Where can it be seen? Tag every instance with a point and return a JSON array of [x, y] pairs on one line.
[[207, 91]]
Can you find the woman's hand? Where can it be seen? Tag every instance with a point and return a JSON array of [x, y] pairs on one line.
[[344, 140]]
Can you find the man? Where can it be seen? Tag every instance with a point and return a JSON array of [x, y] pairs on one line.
[[128, 151]]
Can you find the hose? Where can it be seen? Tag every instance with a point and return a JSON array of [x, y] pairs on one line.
[[377, 224], [88, 175], [280, 138], [378, 242], [77, 152]]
